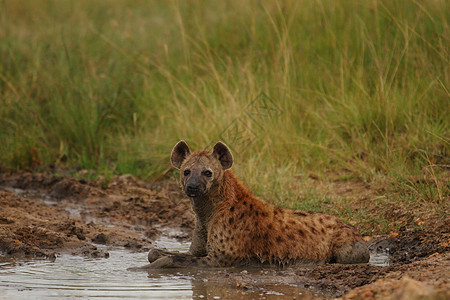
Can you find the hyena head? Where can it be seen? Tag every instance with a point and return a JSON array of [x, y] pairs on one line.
[[201, 171]]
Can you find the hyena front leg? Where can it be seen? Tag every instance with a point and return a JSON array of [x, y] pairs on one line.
[[154, 254], [197, 248], [181, 261], [161, 259]]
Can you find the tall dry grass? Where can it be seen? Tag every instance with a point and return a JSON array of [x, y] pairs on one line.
[[331, 88]]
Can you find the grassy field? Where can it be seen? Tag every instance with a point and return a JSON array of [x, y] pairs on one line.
[[304, 92]]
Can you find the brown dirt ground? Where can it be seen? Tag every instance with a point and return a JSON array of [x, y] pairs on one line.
[[43, 215]]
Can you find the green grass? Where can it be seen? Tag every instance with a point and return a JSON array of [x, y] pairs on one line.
[[348, 88]]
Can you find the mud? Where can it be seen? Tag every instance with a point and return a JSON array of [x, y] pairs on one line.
[[44, 215]]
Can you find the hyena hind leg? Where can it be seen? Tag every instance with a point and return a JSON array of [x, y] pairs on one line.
[[355, 253]]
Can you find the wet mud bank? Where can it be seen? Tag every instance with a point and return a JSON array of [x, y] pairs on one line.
[[44, 216]]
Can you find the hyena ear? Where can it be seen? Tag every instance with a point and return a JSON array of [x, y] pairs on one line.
[[179, 154], [223, 154]]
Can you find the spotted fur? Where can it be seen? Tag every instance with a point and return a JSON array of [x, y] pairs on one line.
[[234, 227]]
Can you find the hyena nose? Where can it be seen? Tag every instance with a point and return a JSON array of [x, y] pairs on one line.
[[193, 189]]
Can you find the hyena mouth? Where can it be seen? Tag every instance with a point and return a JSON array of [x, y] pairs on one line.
[[193, 191]]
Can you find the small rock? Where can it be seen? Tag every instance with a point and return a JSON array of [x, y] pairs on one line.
[[100, 239]]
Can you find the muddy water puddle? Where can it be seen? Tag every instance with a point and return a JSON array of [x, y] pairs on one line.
[[78, 277], [73, 276], [380, 258]]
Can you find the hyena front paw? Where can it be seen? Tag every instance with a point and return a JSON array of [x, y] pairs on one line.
[[162, 262], [153, 255]]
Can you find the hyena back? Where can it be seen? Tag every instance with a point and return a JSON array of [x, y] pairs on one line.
[[234, 227]]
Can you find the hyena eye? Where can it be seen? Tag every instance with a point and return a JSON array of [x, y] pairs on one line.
[[187, 172], [207, 173]]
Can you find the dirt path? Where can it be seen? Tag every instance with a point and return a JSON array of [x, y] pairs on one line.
[[44, 215]]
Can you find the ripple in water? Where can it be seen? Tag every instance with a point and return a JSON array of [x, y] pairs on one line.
[[73, 276], [78, 277], [379, 258]]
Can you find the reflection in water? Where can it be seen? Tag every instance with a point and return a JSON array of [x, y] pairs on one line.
[[379, 258], [73, 276], [225, 284], [212, 290]]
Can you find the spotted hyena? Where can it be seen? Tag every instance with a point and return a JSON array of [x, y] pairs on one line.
[[234, 227]]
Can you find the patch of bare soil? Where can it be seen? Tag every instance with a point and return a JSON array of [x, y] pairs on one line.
[[42, 215], [415, 255]]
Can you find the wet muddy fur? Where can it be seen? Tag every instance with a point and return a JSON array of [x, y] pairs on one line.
[[234, 227]]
